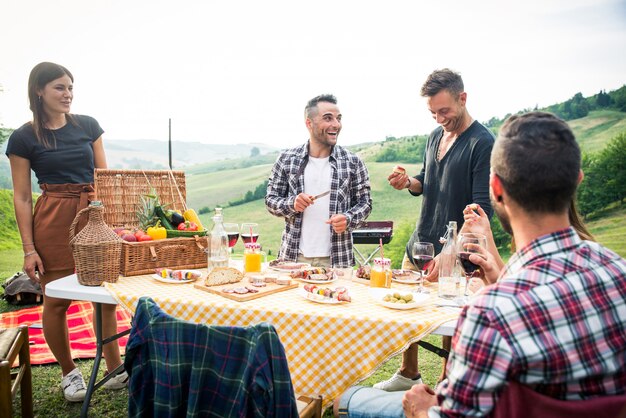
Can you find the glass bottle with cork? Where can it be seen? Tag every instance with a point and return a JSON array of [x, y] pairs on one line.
[[449, 274], [218, 243]]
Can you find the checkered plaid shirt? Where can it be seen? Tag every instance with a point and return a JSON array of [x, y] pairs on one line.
[[179, 368], [349, 195], [555, 321]]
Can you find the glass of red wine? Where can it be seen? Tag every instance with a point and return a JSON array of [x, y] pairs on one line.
[[232, 230], [423, 253], [249, 232], [469, 243]]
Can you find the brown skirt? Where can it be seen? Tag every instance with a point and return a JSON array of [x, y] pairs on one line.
[[55, 211]]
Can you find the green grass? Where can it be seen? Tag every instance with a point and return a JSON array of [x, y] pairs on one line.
[[9, 236], [596, 129], [609, 228]]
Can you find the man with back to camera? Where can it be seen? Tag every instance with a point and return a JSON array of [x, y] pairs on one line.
[[318, 230], [455, 174], [554, 320]]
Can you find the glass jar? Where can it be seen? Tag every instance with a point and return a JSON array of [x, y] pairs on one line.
[[253, 258], [380, 275]]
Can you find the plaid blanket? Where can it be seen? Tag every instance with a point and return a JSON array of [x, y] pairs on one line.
[[82, 335]]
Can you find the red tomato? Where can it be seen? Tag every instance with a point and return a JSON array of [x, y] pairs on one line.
[[182, 226]]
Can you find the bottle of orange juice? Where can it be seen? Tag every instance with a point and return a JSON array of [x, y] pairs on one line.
[[252, 258], [380, 275]]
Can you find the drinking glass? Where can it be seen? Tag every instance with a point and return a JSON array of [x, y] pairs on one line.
[[469, 243], [249, 232], [232, 230], [423, 253]]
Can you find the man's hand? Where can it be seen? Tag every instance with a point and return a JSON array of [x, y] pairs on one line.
[[433, 270], [417, 400], [489, 268], [398, 181], [302, 202], [339, 222]]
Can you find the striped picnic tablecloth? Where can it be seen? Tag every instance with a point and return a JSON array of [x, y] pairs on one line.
[[329, 347]]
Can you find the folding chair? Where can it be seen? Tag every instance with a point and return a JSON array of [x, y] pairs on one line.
[[521, 401]]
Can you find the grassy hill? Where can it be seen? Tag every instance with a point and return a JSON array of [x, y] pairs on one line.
[[599, 127]]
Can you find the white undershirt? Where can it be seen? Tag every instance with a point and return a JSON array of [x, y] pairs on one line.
[[315, 237]]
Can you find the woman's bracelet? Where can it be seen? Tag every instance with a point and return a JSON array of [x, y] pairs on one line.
[[28, 254], [28, 243]]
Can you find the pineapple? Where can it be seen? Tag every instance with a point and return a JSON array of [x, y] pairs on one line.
[[145, 210]]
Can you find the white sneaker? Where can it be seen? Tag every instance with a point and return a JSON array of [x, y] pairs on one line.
[[73, 385], [397, 382], [119, 381]]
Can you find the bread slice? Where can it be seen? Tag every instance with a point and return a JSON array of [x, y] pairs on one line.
[[223, 275]]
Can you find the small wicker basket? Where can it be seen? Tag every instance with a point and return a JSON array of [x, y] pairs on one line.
[[96, 248]]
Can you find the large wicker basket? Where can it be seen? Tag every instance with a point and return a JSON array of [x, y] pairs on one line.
[[120, 191]]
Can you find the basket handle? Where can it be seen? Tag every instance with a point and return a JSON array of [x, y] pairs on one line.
[[75, 222], [173, 248], [199, 244]]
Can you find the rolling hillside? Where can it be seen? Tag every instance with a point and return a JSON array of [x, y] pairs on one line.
[[595, 130]]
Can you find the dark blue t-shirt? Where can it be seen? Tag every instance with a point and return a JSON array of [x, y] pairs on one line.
[[68, 160], [460, 178]]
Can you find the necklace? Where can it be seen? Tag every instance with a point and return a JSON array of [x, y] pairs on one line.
[[445, 145]]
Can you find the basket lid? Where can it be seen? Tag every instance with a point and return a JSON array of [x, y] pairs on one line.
[[120, 192]]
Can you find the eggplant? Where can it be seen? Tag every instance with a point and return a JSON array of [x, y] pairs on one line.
[[175, 217]]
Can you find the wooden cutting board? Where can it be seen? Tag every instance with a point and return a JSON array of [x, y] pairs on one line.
[[269, 289]]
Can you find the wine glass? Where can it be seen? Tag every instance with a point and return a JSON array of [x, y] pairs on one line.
[[232, 230], [469, 243], [423, 253], [249, 232]]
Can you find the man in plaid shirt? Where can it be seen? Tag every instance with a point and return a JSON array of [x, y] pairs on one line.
[[554, 321], [318, 230]]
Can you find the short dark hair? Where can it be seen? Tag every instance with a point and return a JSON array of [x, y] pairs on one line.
[[444, 79], [311, 106], [537, 159]]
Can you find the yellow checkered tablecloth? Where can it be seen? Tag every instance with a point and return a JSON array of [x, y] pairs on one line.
[[329, 347]]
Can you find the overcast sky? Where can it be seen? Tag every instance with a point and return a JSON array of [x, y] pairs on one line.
[[242, 71]]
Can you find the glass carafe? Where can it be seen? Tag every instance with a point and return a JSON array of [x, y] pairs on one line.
[[449, 274], [218, 243]]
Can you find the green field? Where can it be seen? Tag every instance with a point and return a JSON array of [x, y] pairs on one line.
[[596, 129]]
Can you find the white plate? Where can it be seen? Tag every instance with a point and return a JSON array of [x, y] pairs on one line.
[[378, 293], [411, 278], [403, 280], [284, 270], [334, 279], [173, 281], [319, 298]]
